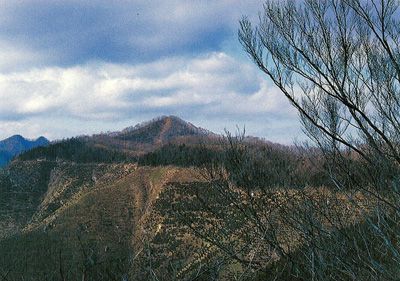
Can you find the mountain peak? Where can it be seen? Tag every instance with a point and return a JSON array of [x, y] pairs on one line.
[[17, 144], [162, 118], [41, 140], [160, 130], [15, 137]]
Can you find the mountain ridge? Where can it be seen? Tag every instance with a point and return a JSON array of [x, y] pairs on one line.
[[17, 144]]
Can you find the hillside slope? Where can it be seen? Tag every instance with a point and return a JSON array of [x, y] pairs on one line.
[[91, 218], [86, 209], [22, 187]]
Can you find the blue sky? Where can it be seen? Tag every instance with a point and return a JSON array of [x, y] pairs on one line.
[[80, 67]]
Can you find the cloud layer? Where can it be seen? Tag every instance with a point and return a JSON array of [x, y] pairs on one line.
[[71, 32], [201, 88], [211, 86], [80, 67]]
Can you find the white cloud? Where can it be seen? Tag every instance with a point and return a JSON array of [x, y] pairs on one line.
[[61, 72], [209, 85], [17, 57]]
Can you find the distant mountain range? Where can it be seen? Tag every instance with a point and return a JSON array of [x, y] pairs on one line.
[[17, 144]]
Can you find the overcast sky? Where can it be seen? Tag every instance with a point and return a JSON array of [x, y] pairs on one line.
[[81, 67]]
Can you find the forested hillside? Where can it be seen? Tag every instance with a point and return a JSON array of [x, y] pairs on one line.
[[78, 207], [213, 207]]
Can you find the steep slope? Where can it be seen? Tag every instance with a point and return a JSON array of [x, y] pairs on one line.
[[125, 222], [92, 220], [17, 144], [22, 187]]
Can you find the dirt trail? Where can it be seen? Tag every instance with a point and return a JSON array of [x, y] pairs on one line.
[[146, 189], [166, 127]]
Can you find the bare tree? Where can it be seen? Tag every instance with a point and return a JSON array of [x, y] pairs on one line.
[[338, 63]]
